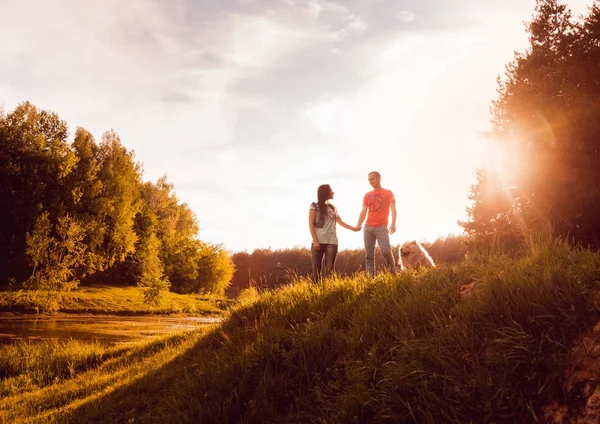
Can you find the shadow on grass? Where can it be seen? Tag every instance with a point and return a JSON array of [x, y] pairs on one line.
[[245, 370]]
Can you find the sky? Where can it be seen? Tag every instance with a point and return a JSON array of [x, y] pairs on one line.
[[248, 106]]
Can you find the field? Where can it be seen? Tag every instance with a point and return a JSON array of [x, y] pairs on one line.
[[493, 339]]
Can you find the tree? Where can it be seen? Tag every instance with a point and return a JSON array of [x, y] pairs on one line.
[[35, 161], [119, 201], [73, 211], [549, 103], [55, 253], [151, 278], [176, 228], [492, 214], [86, 199], [215, 270]]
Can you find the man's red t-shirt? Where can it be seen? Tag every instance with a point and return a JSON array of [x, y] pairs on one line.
[[378, 203]]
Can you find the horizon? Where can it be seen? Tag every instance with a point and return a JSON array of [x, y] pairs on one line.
[[248, 107]]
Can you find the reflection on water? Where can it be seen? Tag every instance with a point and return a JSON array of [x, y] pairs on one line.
[[104, 329]]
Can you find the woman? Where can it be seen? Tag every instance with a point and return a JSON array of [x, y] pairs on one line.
[[322, 218]]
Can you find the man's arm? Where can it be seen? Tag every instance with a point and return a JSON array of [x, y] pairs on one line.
[[393, 226], [362, 216]]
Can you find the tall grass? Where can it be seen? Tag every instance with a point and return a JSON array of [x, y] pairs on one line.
[[25, 366], [43, 382], [401, 348]]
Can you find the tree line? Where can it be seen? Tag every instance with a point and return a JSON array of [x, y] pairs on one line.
[[78, 211], [548, 112], [266, 268]]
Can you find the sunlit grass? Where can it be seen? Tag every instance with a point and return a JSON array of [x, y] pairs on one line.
[[120, 301], [28, 366], [42, 381], [401, 348]]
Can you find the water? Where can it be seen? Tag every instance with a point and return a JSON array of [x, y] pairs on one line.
[[104, 329]]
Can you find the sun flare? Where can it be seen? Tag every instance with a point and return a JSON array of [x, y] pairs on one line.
[[503, 159]]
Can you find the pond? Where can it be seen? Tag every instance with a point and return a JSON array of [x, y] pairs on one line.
[[103, 329]]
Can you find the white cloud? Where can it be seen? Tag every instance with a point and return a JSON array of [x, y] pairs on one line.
[[259, 42], [406, 16]]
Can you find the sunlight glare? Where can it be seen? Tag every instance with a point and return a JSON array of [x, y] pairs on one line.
[[502, 158]]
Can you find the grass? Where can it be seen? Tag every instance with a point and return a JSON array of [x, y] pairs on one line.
[[114, 300], [401, 348], [26, 366], [42, 382]]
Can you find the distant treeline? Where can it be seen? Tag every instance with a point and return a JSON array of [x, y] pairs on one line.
[[79, 211], [265, 268]]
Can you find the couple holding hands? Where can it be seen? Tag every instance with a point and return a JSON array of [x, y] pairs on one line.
[[322, 219]]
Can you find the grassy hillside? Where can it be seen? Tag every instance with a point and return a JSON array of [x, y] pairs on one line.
[[395, 349], [112, 300]]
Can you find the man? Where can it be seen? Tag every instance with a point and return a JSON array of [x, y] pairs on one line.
[[376, 208]]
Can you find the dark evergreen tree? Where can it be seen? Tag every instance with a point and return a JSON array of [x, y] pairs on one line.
[[549, 104]]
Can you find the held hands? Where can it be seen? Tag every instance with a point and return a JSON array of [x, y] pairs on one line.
[[357, 228]]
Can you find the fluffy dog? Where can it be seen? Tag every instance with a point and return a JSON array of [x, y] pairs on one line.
[[413, 255]]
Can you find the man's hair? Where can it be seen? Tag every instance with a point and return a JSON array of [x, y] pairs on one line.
[[377, 174]]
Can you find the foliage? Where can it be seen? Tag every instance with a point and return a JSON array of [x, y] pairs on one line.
[[176, 228], [86, 200], [35, 161], [81, 212], [55, 255], [152, 278], [120, 194], [215, 270], [548, 111]]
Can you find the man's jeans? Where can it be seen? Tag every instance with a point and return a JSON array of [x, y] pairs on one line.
[[381, 236], [330, 252]]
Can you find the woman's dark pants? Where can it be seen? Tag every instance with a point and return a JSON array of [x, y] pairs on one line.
[[323, 261]]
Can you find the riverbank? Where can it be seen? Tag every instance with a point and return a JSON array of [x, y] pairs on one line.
[[110, 300]]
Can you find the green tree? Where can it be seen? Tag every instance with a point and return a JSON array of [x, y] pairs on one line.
[[145, 266], [215, 270], [35, 161], [241, 278], [86, 200], [492, 220], [151, 278], [177, 228], [55, 253], [120, 199], [548, 103]]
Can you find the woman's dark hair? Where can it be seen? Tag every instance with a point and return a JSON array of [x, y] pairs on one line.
[[323, 194]]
